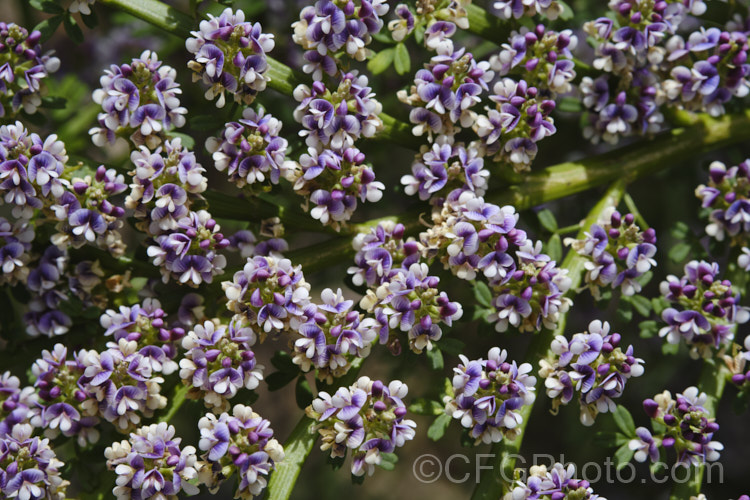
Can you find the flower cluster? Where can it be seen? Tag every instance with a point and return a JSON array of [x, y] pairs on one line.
[[708, 311], [739, 363], [54, 280], [542, 56], [333, 182], [488, 394], [648, 65], [556, 483], [726, 198], [336, 119], [251, 150], [591, 363], [121, 383], [445, 168], [191, 253], [61, 401], [444, 92], [15, 244], [87, 214], [402, 294], [17, 405], [709, 68], [140, 101], [516, 9], [269, 294], [684, 426], [151, 464], [218, 362], [230, 55], [147, 325], [29, 468], [521, 118], [329, 30], [332, 175], [437, 24], [472, 237], [166, 183], [332, 336], [31, 170], [366, 418], [617, 253], [241, 443], [23, 69]]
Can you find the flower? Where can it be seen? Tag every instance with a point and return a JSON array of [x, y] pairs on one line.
[[336, 119], [23, 70], [328, 31], [618, 252], [230, 55], [332, 336], [151, 464], [708, 309], [488, 394], [218, 362], [557, 482], [29, 467], [140, 99], [251, 150], [366, 418], [592, 364], [243, 443], [684, 425]]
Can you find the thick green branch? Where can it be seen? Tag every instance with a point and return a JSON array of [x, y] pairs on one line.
[[503, 453]]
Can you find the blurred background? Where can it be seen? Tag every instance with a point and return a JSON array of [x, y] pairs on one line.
[[663, 199]]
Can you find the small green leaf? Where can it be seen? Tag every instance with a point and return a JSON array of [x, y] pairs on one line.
[[303, 393], [554, 248], [382, 61], [659, 304], [624, 312], [679, 252], [187, 141], [419, 30], [623, 455], [277, 380], [282, 361], [569, 105], [452, 346], [205, 122], [670, 349], [567, 13], [388, 461], [424, 406], [547, 220], [648, 328], [72, 29], [610, 439], [48, 26], [641, 304], [624, 420], [436, 358], [54, 102], [482, 293], [438, 427], [47, 6], [91, 21], [401, 60]]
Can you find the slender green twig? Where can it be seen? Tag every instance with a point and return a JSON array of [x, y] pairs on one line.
[[634, 210], [502, 458]]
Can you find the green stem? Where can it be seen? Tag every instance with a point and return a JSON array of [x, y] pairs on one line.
[[300, 443], [712, 381], [178, 398], [502, 457], [633, 208], [296, 449]]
